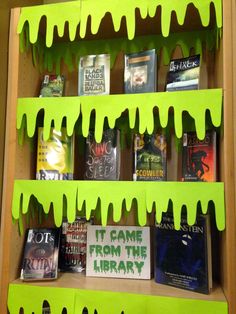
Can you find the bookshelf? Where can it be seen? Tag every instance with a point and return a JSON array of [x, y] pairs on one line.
[[19, 169]]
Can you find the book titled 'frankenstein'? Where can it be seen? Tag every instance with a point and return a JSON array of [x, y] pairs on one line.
[[55, 157], [40, 258], [94, 75], [140, 72], [183, 257], [149, 157], [103, 159], [183, 74], [199, 157]]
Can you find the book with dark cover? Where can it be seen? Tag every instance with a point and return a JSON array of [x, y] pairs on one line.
[[73, 245], [199, 157], [55, 157], [183, 257], [103, 159], [183, 74], [94, 75], [52, 86], [150, 157], [140, 74], [40, 258]]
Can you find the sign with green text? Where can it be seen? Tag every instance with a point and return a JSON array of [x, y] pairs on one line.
[[118, 251]]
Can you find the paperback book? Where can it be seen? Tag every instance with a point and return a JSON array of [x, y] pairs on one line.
[[73, 245], [150, 157], [55, 157], [94, 75], [183, 257], [183, 74], [199, 157], [40, 257], [52, 86], [140, 74], [103, 159]]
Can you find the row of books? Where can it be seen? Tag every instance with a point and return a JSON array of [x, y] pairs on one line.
[[55, 157], [140, 75], [182, 257]]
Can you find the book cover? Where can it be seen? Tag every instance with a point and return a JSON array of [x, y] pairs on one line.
[[150, 157], [52, 86], [73, 245], [40, 258], [94, 75], [183, 74], [103, 159], [199, 157], [140, 74], [182, 257], [55, 157], [46, 310]]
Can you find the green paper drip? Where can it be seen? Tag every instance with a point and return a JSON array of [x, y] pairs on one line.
[[70, 52], [77, 13], [31, 297], [106, 193], [112, 106]]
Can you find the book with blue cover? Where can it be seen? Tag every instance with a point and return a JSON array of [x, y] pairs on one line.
[[183, 257]]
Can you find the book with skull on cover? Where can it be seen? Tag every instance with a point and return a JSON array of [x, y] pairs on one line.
[[40, 257]]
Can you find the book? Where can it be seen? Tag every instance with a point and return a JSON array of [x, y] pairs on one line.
[[150, 157], [94, 75], [55, 157], [140, 73], [40, 257], [73, 245], [46, 310], [199, 157], [183, 74], [52, 86], [183, 257], [103, 159]]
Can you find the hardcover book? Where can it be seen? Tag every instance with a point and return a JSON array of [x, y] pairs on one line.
[[73, 245], [94, 75], [183, 257], [55, 157], [40, 258], [103, 159], [140, 72], [183, 74], [150, 157], [52, 86], [199, 157]]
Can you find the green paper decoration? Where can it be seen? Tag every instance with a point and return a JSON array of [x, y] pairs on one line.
[[31, 297], [92, 194], [51, 58], [77, 13], [112, 106]]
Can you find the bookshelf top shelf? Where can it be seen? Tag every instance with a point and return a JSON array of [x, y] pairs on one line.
[[66, 17]]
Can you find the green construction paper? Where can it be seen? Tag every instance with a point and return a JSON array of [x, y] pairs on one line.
[[77, 13], [104, 194], [112, 106], [70, 52], [31, 298]]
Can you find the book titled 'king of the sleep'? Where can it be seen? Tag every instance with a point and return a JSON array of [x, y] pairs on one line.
[[183, 257]]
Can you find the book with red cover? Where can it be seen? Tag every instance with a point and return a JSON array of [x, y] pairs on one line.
[[199, 157]]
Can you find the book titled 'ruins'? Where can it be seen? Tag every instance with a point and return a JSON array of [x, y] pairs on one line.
[[140, 72], [199, 157], [55, 157], [183, 74], [40, 258], [183, 257], [103, 159], [149, 157], [94, 75], [73, 245]]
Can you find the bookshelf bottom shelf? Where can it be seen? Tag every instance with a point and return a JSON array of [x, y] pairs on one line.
[[74, 292]]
